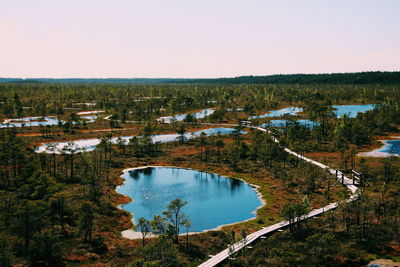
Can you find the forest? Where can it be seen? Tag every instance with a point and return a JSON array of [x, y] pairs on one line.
[[62, 208], [372, 77]]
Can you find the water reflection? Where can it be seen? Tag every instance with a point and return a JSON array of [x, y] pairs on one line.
[[213, 200], [351, 111], [136, 173], [235, 184]]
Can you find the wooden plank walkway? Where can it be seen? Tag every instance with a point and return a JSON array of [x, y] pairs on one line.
[[223, 255]]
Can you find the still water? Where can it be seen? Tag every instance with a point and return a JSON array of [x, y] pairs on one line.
[[213, 200], [198, 115], [43, 121], [351, 110], [29, 122], [77, 146], [278, 113], [340, 110], [391, 147]]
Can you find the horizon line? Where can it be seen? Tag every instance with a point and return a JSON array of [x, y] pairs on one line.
[[203, 78]]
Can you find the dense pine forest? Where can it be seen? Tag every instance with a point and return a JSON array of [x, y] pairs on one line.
[[372, 77], [61, 209]]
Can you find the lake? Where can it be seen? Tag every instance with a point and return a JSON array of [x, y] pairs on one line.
[[180, 117], [391, 147], [278, 113], [29, 122], [213, 200], [340, 110], [90, 144], [86, 116], [351, 110]]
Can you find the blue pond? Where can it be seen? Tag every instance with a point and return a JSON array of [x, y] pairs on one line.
[[352, 110], [340, 110], [39, 121], [278, 113], [392, 146], [29, 122], [198, 115], [213, 200]]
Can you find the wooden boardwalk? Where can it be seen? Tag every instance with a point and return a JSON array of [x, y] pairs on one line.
[[223, 255]]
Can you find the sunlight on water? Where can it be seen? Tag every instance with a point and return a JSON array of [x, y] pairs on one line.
[[213, 200]]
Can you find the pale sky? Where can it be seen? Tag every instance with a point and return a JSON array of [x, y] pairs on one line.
[[202, 38]]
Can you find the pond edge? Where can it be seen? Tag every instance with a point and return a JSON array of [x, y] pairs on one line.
[[131, 234]]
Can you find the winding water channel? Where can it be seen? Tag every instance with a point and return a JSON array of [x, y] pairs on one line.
[[81, 145]]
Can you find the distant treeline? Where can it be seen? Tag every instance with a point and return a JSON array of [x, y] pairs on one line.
[[373, 77], [92, 80]]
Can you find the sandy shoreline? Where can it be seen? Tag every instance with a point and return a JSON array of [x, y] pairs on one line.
[[378, 152], [131, 234]]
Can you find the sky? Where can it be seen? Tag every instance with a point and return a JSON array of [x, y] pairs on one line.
[[196, 38]]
